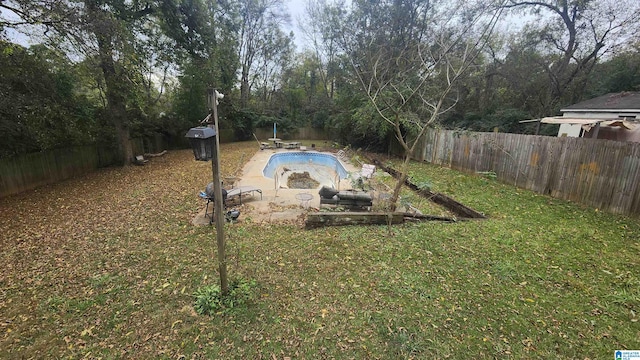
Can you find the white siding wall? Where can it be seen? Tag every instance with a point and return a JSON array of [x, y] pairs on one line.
[[569, 130]]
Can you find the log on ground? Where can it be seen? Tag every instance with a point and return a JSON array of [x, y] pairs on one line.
[[319, 219], [161, 153], [421, 217]]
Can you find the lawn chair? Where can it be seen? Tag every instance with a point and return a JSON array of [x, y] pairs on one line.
[[265, 145], [241, 191], [367, 171], [140, 160], [360, 179]]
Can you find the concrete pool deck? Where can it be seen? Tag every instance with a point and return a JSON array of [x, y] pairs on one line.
[[277, 205]]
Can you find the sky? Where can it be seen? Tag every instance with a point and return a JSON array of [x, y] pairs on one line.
[[296, 10]]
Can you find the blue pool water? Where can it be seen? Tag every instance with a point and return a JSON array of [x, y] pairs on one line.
[[304, 161]]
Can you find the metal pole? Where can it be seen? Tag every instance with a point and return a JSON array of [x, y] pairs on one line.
[[218, 201]]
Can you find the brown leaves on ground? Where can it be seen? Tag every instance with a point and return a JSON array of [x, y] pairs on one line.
[[104, 266], [114, 235]]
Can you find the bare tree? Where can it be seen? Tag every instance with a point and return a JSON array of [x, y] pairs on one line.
[[573, 35], [277, 52], [408, 61], [321, 28], [260, 28]]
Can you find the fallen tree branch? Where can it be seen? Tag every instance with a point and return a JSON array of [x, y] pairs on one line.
[[163, 152], [452, 205], [422, 217]]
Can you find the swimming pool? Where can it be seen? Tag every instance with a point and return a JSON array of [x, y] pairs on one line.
[[326, 169]]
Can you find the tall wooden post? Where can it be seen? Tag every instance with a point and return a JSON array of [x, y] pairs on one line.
[[218, 201]]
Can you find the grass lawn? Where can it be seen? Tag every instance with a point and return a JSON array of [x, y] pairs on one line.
[[105, 266]]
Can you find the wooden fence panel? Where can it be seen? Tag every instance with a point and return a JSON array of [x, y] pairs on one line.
[[29, 171], [36, 169], [632, 181], [600, 173], [306, 133]]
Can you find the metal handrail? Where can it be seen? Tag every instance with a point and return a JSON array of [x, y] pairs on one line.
[[275, 179]]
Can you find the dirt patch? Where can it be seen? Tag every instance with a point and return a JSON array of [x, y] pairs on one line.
[[302, 181]]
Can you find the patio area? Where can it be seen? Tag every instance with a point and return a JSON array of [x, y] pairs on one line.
[[277, 203]]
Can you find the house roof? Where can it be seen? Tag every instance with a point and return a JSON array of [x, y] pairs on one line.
[[624, 101], [588, 123]]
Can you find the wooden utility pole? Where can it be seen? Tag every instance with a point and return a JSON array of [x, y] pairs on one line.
[[218, 201]]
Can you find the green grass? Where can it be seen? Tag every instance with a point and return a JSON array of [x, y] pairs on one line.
[[106, 266]]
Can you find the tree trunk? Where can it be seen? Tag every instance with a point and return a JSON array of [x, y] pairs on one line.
[[244, 87], [103, 29], [403, 177]]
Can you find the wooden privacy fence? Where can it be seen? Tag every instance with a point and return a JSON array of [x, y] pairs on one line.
[[29, 171], [306, 133], [600, 173]]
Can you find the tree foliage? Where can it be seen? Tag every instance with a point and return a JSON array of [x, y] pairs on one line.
[[41, 107], [569, 38], [408, 57], [263, 46], [372, 71], [125, 42]]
